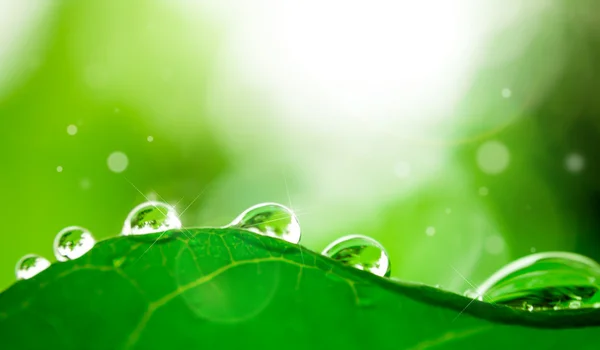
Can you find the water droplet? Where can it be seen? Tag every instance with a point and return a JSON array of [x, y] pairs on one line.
[[575, 304], [550, 280], [151, 217], [30, 265], [506, 93], [270, 219], [150, 138], [361, 252], [493, 157], [596, 305], [72, 242], [430, 231], [575, 162], [117, 162], [469, 293], [59, 169], [72, 129], [528, 307]]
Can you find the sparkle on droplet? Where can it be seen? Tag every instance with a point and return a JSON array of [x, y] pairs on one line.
[[151, 217], [59, 169], [72, 129], [361, 252], [72, 242], [270, 219], [117, 162], [30, 265], [550, 280], [150, 138]]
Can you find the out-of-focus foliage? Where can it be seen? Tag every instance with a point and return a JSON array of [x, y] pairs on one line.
[[385, 124]]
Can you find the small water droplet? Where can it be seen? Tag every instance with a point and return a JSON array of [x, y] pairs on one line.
[[72, 242], [361, 252], [150, 138], [596, 305], [72, 129], [270, 219], [469, 293], [30, 265], [59, 169], [528, 307], [506, 93], [151, 217], [430, 231], [117, 162], [550, 280]]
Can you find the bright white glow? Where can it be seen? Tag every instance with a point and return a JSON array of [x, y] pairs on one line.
[[117, 162], [402, 170], [72, 129], [493, 157], [575, 163]]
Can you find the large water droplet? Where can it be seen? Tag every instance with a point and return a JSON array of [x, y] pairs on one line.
[[72, 242], [545, 281], [361, 252], [30, 265], [151, 217], [270, 219]]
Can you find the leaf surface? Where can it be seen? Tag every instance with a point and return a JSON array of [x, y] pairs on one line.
[[227, 289]]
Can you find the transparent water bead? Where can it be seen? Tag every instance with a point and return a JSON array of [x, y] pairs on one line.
[[361, 252], [72, 242], [270, 219], [30, 265], [545, 281], [151, 217]]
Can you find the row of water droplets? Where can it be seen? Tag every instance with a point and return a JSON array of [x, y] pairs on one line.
[[269, 219], [543, 281]]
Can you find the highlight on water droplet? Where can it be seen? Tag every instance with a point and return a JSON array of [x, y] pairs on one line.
[[270, 219], [72, 242], [151, 217], [361, 252], [30, 265], [545, 281]]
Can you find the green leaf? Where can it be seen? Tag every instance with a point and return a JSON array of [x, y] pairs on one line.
[[227, 289]]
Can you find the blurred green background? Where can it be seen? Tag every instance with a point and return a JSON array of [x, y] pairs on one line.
[[461, 135]]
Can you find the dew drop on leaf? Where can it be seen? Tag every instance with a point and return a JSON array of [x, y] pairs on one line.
[[545, 281], [270, 219], [30, 265], [151, 217], [361, 252], [72, 242]]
